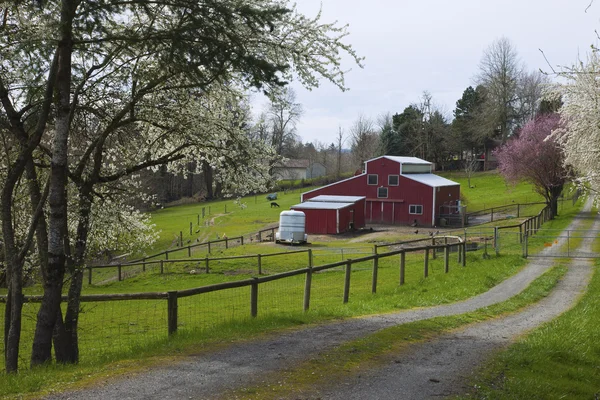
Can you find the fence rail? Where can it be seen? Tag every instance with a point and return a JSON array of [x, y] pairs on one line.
[[173, 296], [205, 260]]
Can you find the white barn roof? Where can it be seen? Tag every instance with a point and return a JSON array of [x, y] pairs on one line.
[[319, 205], [431, 180], [406, 160], [336, 199]]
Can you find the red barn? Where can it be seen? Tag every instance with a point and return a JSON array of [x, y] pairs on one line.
[[398, 190], [333, 214]]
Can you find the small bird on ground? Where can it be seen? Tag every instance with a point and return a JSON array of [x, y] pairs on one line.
[[417, 231]]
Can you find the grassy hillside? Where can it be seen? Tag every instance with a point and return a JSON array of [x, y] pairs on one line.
[[489, 189]]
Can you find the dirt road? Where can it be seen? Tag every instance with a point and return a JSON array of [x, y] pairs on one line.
[[426, 370]]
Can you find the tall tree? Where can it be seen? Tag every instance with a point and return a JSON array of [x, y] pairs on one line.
[[500, 71], [365, 140], [284, 112], [120, 94], [536, 157]]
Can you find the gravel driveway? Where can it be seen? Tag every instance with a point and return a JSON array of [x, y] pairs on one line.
[[431, 369]]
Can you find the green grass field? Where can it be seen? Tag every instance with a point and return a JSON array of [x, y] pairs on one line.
[[123, 332], [489, 189]]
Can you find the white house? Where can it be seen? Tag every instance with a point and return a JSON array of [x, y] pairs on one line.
[[298, 169]]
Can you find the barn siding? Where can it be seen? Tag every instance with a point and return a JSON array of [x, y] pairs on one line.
[[395, 208]]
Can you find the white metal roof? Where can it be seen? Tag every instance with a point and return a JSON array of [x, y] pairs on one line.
[[336, 199], [319, 205], [407, 160], [431, 180]]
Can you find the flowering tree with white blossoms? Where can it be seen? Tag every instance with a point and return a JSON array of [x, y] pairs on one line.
[[93, 92], [579, 134]]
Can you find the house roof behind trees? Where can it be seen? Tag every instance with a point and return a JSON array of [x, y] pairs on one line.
[[293, 163]]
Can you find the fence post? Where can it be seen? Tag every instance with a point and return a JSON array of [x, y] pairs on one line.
[[307, 285], [189, 251], [259, 236], [459, 251], [226, 243], [198, 219], [208, 247], [446, 259], [180, 239], [518, 210], [433, 244], [242, 240], [375, 268], [347, 281], [525, 245], [310, 258], [426, 266], [259, 264], [492, 215], [206, 262], [521, 233], [254, 298], [119, 269], [496, 240], [464, 252], [161, 266], [166, 254], [402, 266], [89, 275], [172, 311], [191, 228], [273, 235]]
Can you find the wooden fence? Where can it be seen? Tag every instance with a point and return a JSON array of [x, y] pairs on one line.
[[253, 283], [205, 260]]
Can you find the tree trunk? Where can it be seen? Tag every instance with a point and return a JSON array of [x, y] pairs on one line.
[[208, 179], [554, 193], [70, 352], [14, 270], [57, 198]]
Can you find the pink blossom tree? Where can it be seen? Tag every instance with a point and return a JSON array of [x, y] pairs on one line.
[[535, 157]]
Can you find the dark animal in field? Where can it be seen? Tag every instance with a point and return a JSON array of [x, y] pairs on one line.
[[416, 232], [273, 204]]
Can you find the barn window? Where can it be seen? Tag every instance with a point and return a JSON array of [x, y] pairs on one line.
[[393, 180], [382, 193], [372, 179], [415, 209]]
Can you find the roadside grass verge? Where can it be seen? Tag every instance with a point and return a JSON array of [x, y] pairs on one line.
[[558, 360], [130, 359], [330, 367]]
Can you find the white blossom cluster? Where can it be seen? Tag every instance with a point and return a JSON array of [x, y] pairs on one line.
[[580, 132]]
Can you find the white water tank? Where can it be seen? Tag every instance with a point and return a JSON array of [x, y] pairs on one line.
[[291, 227]]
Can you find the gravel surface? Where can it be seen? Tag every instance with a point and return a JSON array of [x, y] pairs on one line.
[[436, 368]]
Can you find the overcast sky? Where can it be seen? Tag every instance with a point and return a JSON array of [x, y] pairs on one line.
[[434, 45]]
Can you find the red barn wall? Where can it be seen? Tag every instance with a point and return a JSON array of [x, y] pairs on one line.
[[395, 208]]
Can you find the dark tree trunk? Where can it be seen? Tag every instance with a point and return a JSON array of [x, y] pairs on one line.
[[208, 179], [57, 198], [70, 353], [14, 270], [554, 195]]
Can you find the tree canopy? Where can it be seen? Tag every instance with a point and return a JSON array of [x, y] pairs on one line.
[[94, 92], [536, 157]]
